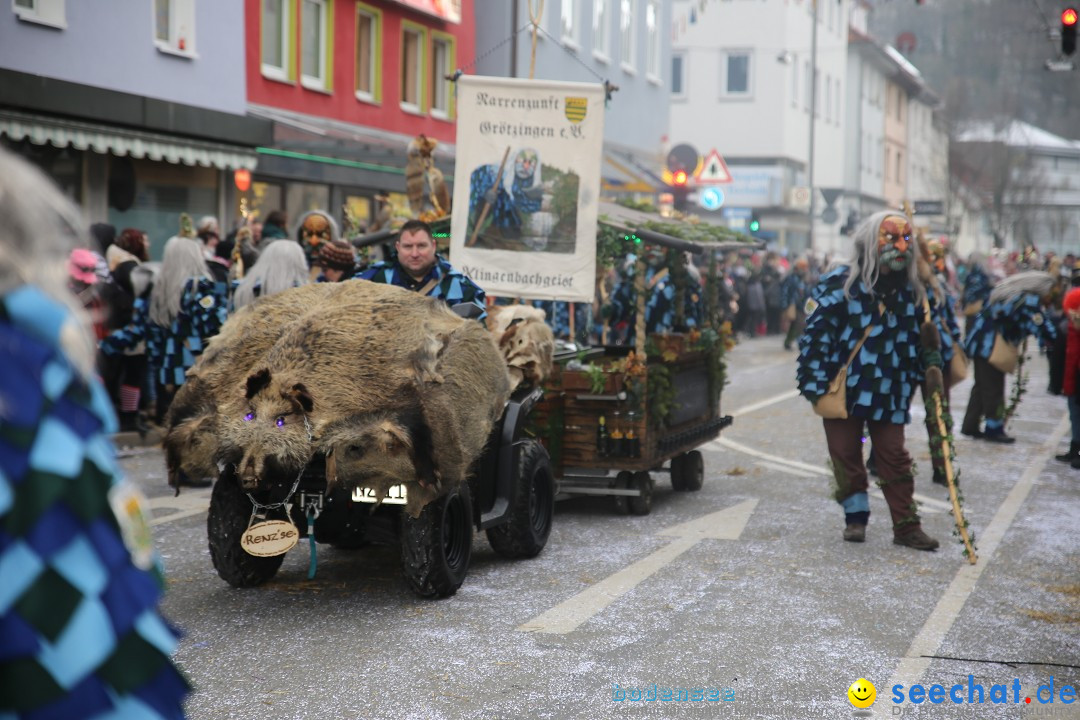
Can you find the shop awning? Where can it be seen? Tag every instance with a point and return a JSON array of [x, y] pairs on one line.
[[61, 132]]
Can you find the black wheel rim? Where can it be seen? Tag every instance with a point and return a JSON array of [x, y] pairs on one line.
[[454, 531]]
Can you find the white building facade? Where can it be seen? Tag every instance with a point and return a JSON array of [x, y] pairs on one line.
[[741, 84]]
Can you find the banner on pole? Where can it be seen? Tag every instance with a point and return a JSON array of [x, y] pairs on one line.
[[527, 186]]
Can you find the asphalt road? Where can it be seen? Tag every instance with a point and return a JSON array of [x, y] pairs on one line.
[[743, 592]]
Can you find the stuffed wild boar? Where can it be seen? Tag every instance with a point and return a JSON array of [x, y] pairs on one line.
[[392, 386]]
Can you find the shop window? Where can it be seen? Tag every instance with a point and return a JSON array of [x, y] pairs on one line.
[[277, 46], [316, 29], [43, 12], [302, 197], [442, 65], [368, 53], [412, 67], [601, 29], [174, 26], [265, 198]]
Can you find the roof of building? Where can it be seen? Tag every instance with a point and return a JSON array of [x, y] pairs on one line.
[[1014, 133]]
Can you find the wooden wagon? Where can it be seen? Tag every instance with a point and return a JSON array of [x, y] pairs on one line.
[[613, 415]]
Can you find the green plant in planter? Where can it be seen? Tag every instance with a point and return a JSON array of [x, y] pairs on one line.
[[597, 378]]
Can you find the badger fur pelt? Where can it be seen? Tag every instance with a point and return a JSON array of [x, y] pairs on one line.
[[527, 343]]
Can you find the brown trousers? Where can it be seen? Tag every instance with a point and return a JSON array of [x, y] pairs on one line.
[[987, 397], [893, 462]]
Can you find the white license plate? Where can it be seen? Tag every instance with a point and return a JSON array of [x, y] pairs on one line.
[[397, 495]]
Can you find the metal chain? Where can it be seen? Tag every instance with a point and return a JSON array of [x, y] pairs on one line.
[[256, 505]]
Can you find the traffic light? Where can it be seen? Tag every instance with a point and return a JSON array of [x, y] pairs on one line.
[[679, 190], [755, 222], [1068, 31]]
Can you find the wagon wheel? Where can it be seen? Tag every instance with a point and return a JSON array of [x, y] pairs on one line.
[[678, 482], [642, 504], [693, 471], [623, 481]]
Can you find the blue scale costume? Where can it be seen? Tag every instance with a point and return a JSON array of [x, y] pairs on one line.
[[172, 351], [976, 287], [659, 307], [80, 634], [944, 314], [451, 286], [793, 291], [1014, 319], [887, 369]]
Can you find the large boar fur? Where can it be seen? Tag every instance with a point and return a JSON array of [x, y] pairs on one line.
[[391, 385], [526, 342]]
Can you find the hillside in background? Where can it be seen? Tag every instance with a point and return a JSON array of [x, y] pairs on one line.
[[985, 58]]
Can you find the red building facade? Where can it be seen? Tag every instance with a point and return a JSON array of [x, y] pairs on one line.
[[348, 84]]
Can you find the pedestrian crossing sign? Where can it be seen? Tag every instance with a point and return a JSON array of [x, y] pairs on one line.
[[714, 170]]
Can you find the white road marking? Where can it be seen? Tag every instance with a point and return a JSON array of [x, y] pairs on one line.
[[913, 665], [187, 504], [784, 468], [931, 505], [568, 615], [766, 403]]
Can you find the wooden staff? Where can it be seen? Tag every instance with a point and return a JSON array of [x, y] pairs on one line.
[[487, 205], [934, 400]]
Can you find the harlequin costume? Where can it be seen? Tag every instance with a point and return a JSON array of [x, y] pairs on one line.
[[882, 376], [1014, 311], [660, 304], [80, 633], [442, 281]]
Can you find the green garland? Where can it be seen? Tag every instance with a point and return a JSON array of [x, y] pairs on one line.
[[936, 452], [1019, 386]]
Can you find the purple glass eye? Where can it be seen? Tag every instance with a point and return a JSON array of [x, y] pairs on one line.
[[281, 422], [249, 417]]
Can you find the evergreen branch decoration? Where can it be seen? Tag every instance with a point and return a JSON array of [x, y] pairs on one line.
[[1019, 385]]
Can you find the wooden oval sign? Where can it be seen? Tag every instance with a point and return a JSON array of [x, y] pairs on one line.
[[270, 538]]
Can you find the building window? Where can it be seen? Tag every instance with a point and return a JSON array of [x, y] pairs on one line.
[[568, 23], [442, 65], [736, 77], [412, 67], [601, 29], [368, 53], [652, 31], [678, 74], [174, 26], [315, 40], [276, 39], [44, 12], [626, 33]]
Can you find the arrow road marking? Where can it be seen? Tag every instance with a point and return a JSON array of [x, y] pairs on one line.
[[568, 615], [929, 504]]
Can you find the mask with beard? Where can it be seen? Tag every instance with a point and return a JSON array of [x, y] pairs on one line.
[[895, 246]]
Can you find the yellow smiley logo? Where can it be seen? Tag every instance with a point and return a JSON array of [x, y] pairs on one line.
[[861, 693]]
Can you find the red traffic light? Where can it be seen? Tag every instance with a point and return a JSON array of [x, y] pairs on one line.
[[679, 177], [1068, 16]]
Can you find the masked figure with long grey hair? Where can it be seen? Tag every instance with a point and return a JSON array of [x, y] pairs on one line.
[[81, 633], [1014, 311], [868, 308]]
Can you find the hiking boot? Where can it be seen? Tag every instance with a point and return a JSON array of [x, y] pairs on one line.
[[855, 533], [916, 539], [1070, 456], [972, 433]]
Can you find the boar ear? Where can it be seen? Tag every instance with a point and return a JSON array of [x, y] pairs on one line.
[[257, 382], [299, 394]]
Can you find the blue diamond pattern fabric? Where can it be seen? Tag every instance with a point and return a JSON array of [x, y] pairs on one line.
[[886, 369], [55, 457]]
